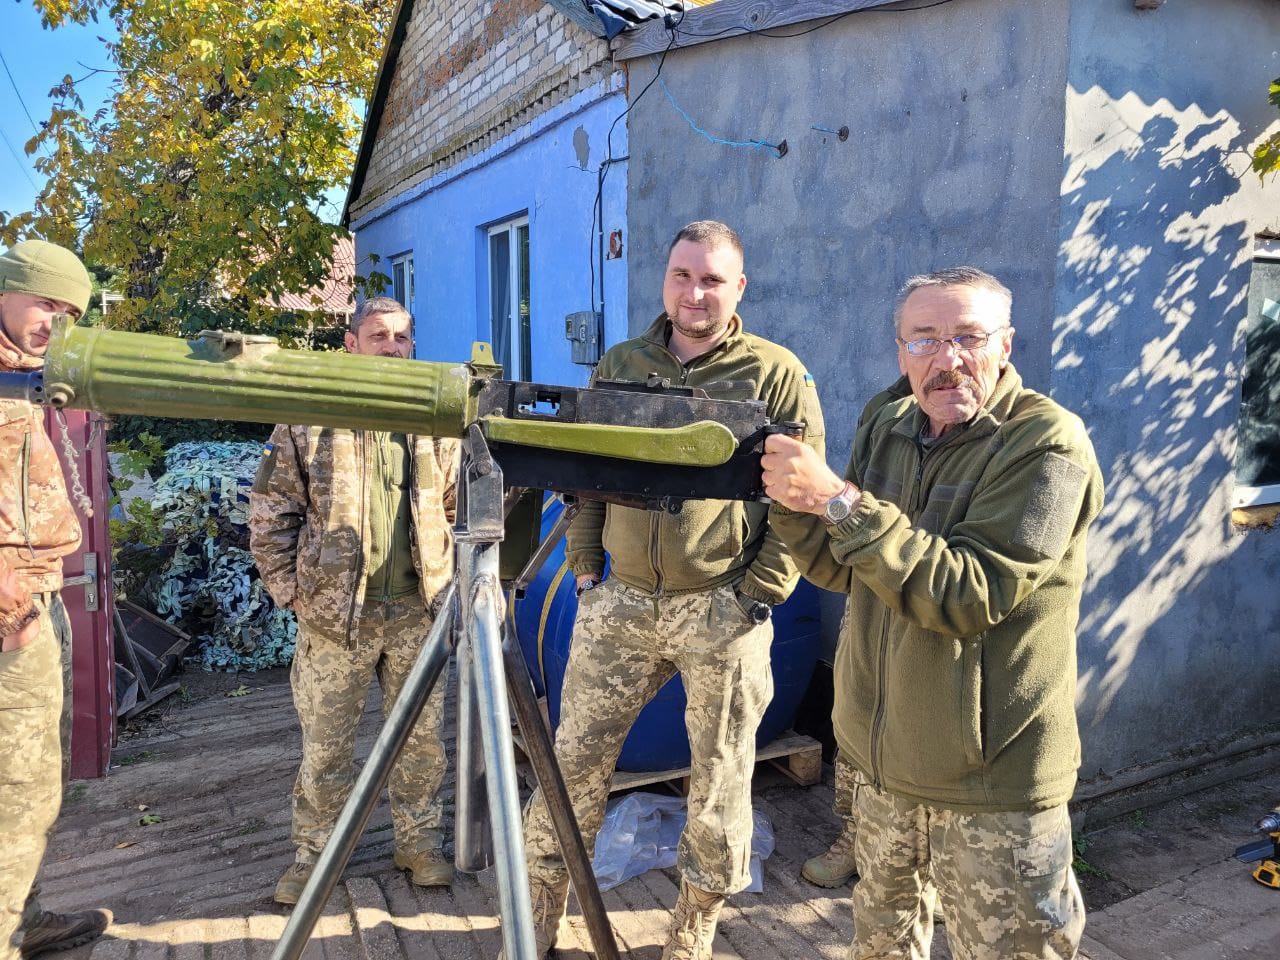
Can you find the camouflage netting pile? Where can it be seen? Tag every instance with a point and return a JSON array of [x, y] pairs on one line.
[[189, 561]]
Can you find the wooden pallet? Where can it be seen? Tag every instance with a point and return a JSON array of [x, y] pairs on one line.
[[797, 756]]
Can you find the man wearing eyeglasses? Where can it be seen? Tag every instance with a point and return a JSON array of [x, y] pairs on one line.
[[959, 537]]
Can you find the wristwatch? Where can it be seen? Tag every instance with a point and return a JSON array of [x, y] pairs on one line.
[[841, 505], [757, 611]]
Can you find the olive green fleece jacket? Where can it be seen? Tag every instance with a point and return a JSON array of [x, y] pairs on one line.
[[709, 542], [955, 673]]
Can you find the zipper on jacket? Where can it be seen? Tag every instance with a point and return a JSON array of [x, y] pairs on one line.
[[882, 663], [388, 521], [655, 553], [877, 721], [363, 460], [25, 465]]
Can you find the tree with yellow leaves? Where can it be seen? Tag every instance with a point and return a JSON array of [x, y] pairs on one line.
[[202, 183]]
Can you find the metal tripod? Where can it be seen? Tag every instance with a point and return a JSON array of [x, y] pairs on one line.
[[486, 760]]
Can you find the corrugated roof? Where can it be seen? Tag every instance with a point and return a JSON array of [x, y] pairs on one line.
[[620, 15]]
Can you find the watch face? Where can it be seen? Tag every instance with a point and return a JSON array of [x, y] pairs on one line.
[[837, 509]]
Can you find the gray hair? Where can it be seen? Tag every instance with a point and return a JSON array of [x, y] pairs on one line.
[[953, 277], [708, 233], [375, 306]]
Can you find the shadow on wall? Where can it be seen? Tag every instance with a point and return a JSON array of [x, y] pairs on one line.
[[1148, 348]]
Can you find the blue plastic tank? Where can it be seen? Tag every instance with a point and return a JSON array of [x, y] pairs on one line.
[[658, 741]]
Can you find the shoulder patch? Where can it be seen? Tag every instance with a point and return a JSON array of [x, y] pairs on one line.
[[1052, 506], [263, 477], [809, 381]]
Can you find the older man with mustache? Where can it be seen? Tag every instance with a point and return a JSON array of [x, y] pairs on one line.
[[959, 537]]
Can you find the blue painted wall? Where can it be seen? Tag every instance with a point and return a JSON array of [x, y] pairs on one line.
[[545, 170]]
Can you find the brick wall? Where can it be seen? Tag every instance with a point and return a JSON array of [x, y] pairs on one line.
[[469, 73]]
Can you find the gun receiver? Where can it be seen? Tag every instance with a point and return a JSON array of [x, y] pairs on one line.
[[643, 444]]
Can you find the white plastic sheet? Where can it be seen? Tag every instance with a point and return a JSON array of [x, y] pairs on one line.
[[641, 832]]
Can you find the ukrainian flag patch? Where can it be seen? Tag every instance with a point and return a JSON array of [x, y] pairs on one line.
[[808, 381]]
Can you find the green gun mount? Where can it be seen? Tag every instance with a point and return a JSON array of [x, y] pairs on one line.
[[647, 444]]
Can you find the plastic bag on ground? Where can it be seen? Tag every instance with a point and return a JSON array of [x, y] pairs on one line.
[[642, 830]]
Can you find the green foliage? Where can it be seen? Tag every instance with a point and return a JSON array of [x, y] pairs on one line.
[[1079, 844], [187, 556], [1266, 156], [203, 181], [128, 431]]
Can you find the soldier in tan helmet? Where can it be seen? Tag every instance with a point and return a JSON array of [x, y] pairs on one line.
[[351, 530], [38, 527]]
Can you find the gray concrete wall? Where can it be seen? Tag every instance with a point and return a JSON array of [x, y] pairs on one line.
[[1179, 644], [954, 156], [1091, 156]]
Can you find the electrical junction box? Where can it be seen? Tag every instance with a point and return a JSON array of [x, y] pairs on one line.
[[582, 330]]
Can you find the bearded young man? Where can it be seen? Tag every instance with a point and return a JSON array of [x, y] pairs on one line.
[[690, 593]]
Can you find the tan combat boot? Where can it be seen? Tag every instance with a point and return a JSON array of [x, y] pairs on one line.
[[835, 867], [289, 889], [548, 901], [693, 925], [427, 868]]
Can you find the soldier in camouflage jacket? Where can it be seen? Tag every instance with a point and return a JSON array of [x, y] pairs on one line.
[[38, 527], [351, 530]]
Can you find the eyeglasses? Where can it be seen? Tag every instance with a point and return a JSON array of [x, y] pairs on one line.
[[965, 343]]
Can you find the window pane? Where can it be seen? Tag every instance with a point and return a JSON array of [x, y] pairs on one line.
[[526, 336], [500, 299], [397, 281], [1258, 452]]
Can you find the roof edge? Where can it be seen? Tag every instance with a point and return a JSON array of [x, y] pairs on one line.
[[373, 114], [729, 18]]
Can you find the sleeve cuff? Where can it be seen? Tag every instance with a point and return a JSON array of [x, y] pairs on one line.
[[754, 591], [15, 620]]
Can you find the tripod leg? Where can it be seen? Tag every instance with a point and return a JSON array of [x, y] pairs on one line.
[[473, 848], [482, 593], [538, 748], [422, 679]]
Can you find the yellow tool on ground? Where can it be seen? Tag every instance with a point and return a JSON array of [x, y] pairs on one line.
[[1267, 872]]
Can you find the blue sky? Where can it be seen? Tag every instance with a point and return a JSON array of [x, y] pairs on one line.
[[38, 59]]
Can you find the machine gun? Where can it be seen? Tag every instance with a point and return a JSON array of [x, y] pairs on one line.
[[651, 445]]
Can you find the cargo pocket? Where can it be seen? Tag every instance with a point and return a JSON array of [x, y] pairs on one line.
[[1046, 855]]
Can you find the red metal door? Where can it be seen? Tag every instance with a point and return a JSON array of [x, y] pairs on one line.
[[88, 596]]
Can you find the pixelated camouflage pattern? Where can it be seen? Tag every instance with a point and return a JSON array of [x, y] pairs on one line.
[[844, 790], [309, 521], [626, 645], [330, 681], [1003, 880], [38, 525], [30, 763]]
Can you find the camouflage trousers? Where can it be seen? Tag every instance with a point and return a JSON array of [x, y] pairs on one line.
[[31, 697], [626, 645], [1003, 881], [846, 790], [330, 681]]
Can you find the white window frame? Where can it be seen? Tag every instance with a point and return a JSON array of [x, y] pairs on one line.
[[405, 261], [1246, 496], [511, 228]]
